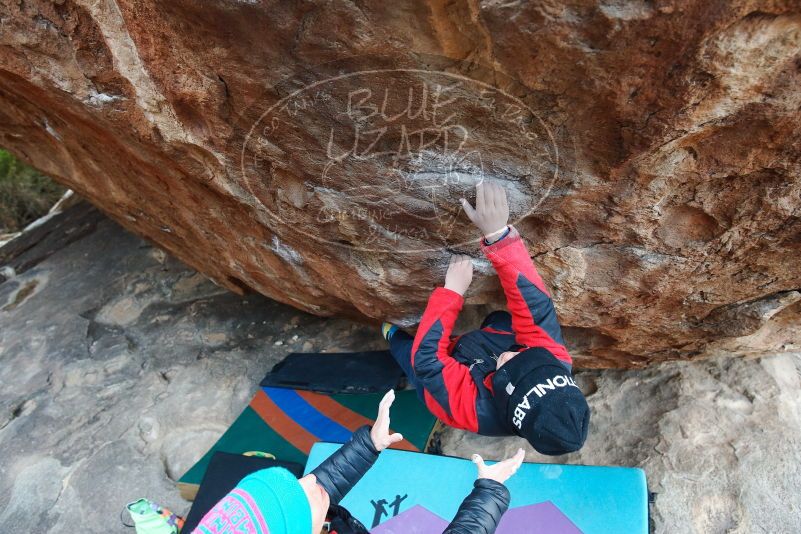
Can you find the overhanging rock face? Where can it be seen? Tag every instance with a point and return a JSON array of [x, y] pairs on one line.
[[316, 153]]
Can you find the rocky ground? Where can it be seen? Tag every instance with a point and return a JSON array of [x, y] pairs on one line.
[[120, 367]]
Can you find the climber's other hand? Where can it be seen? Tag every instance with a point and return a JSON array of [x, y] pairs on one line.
[[491, 214], [460, 274]]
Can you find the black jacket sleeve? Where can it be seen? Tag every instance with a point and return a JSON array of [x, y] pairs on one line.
[[481, 511], [343, 469]]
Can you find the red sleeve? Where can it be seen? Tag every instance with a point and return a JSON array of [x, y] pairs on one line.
[[534, 320], [449, 390]]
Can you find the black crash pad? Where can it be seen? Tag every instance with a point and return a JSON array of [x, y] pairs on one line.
[[224, 472], [337, 372]]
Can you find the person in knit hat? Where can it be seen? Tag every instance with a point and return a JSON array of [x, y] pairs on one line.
[[273, 501], [512, 376]]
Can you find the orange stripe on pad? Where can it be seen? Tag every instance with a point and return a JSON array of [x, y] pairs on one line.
[[345, 416], [295, 434]]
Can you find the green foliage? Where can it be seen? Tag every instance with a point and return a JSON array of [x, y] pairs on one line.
[[25, 193]]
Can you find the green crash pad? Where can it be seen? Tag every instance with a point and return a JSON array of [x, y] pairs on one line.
[[287, 423]]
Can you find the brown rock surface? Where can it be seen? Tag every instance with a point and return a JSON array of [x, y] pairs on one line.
[[651, 151]]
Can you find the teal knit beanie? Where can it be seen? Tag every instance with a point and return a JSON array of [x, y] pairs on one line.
[[271, 498]]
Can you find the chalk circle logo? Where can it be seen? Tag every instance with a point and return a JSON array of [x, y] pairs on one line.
[[376, 159]]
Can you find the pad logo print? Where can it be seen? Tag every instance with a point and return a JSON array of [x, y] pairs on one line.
[[381, 510]]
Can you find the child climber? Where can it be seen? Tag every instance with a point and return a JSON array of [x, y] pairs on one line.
[[513, 376]]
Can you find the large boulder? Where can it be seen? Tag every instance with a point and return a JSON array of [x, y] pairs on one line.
[[315, 152]]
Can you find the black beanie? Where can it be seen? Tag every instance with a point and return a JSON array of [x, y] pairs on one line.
[[537, 396]]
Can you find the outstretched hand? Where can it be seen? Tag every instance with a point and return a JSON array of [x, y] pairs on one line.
[[460, 273], [501, 471], [380, 431], [491, 213]]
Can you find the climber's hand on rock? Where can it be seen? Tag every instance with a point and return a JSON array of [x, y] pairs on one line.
[[501, 471], [380, 431], [460, 274], [491, 213]]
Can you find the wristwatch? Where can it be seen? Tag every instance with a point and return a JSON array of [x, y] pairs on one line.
[[504, 234]]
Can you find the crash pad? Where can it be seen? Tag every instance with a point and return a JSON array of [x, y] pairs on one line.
[[412, 492], [287, 423], [223, 473], [338, 372]]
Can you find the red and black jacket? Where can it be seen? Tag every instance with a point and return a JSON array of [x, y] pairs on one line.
[[456, 372]]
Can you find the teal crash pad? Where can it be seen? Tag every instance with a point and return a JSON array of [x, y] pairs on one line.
[[424, 490]]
